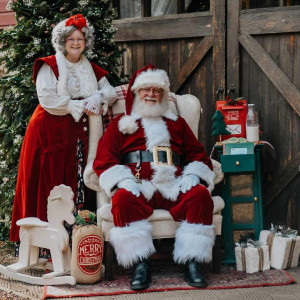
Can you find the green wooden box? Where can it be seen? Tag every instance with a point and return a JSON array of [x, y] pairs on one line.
[[238, 163]]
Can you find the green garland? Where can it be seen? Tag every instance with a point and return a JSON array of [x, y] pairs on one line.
[[85, 217]]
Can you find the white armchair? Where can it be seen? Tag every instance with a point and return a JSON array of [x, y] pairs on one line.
[[188, 107]]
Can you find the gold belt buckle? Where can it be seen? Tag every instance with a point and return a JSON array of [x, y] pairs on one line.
[[168, 151]]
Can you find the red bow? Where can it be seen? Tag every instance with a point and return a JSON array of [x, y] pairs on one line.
[[78, 21]]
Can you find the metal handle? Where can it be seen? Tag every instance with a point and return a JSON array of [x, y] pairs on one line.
[[255, 199], [237, 163]]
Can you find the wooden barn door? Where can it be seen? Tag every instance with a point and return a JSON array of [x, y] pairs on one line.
[[263, 62], [189, 46]]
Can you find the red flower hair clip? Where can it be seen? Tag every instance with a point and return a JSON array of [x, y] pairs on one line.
[[78, 21]]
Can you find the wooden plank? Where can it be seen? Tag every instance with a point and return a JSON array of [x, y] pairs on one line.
[[245, 77], [180, 6], [174, 57], [146, 8], [218, 10], [191, 63], [296, 81], [285, 176], [275, 74], [284, 19], [255, 77], [127, 59], [157, 28], [269, 117], [285, 112], [157, 54], [138, 59], [3, 4], [6, 19], [233, 54]]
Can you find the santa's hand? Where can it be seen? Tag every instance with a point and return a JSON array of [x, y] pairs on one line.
[[130, 185], [188, 181], [93, 103]]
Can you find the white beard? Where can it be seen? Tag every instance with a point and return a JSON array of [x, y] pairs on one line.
[[144, 110]]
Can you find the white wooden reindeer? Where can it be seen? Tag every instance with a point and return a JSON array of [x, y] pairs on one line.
[[52, 235]]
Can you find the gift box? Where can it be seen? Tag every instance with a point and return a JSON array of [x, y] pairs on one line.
[[251, 259], [284, 249]]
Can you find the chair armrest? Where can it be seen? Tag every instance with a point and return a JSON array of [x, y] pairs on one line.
[[218, 171], [90, 178]]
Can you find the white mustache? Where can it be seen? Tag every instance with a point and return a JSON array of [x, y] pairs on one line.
[[150, 99]]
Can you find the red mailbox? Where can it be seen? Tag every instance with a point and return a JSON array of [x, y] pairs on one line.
[[234, 117]]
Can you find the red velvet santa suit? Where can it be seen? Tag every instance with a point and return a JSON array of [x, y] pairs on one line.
[[115, 144], [48, 155], [160, 186]]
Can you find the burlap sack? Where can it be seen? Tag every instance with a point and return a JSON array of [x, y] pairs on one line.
[[87, 254]]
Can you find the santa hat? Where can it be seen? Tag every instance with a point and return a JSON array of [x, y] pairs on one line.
[[147, 76]]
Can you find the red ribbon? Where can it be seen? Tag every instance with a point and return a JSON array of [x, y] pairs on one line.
[[78, 21]]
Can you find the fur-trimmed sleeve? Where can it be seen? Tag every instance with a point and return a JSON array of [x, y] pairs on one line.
[[197, 162]]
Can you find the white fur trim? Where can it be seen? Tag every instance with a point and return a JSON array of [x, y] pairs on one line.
[[147, 189], [165, 181], [63, 74], [128, 125], [194, 241], [132, 243], [156, 132], [76, 107], [112, 176], [202, 171], [170, 115], [152, 78]]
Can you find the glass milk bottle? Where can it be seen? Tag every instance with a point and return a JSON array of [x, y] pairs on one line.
[[252, 130]]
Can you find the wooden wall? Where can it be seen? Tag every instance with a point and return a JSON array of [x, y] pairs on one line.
[[267, 74], [6, 17], [170, 55], [190, 47], [280, 125]]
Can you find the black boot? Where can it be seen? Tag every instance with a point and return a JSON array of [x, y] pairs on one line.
[[194, 275], [141, 277]]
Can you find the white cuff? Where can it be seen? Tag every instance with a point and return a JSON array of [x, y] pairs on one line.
[[75, 108], [112, 176], [109, 95], [202, 171]]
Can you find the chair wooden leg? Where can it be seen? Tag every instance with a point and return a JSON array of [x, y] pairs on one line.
[[217, 255], [108, 261]]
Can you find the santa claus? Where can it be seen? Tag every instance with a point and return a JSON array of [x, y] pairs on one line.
[[147, 159]]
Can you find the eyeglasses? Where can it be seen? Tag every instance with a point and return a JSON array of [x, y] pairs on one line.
[[72, 41], [155, 91]]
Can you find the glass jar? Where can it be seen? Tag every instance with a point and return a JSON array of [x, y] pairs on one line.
[[252, 125]]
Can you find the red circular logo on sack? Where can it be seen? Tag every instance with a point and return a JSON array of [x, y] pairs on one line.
[[90, 252]]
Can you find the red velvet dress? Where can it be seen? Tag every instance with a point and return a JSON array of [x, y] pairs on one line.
[[48, 156]]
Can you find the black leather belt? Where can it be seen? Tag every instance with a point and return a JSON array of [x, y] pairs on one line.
[[146, 156]]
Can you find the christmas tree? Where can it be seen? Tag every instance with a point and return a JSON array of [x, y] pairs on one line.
[[219, 126], [21, 44]]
